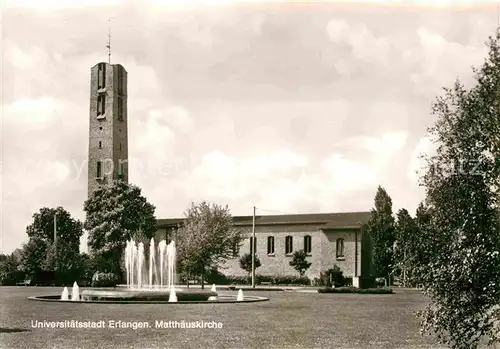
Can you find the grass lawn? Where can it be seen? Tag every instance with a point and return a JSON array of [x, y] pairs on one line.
[[288, 320]]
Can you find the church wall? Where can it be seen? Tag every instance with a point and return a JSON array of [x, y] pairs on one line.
[[329, 252], [322, 255], [277, 264]]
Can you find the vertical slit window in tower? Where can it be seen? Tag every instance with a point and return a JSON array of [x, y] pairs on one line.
[[120, 80], [99, 111], [100, 145], [99, 169], [101, 76], [101, 104], [120, 109]]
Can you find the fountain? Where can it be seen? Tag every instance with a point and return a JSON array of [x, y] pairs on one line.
[[65, 294], [172, 298], [161, 276], [150, 279], [75, 292]]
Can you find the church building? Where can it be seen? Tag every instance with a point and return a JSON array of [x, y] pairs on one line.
[[328, 238]]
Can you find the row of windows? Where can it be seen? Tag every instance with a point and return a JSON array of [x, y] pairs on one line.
[[101, 78], [101, 98], [340, 249], [99, 170]]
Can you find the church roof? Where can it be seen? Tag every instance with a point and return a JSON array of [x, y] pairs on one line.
[[342, 220]]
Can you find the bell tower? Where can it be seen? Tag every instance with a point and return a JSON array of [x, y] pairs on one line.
[[108, 139]]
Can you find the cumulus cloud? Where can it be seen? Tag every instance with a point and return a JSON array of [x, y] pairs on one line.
[[424, 147]]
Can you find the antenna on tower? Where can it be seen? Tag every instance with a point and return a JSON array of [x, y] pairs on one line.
[[108, 46]]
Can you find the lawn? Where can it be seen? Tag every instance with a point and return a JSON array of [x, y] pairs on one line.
[[288, 320]]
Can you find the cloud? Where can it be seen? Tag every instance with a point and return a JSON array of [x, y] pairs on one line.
[[363, 44], [434, 50], [288, 108], [417, 164], [342, 175]]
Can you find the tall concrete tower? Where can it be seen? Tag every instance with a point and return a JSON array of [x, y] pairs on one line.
[[108, 140]]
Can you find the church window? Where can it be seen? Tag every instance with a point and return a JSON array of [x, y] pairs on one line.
[[288, 245], [340, 249], [270, 245], [307, 244], [100, 145]]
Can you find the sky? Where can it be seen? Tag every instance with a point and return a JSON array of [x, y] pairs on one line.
[[292, 108]]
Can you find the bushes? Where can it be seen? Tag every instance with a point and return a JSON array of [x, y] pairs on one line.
[[104, 280], [291, 280], [333, 276], [380, 282], [356, 290], [221, 279]]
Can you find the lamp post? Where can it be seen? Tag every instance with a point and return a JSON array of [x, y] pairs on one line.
[[55, 245], [252, 247]]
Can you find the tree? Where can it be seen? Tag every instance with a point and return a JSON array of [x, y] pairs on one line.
[[333, 276], [117, 213], [34, 254], [382, 232], [60, 258], [65, 262], [419, 250], [405, 233], [246, 263], [299, 262], [205, 239], [68, 229], [87, 269], [460, 268], [9, 271]]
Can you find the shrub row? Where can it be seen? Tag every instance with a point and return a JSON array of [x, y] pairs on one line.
[[221, 279], [356, 290]]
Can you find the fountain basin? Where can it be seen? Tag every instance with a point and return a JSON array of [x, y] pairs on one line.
[[146, 295], [226, 298]]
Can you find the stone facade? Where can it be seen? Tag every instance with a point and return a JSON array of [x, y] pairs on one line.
[[322, 256], [108, 132], [324, 230]]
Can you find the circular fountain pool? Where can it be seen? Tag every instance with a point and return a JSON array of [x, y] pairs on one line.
[[150, 279], [148, 297]]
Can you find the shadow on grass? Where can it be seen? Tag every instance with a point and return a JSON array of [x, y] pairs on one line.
[[13, 330]]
